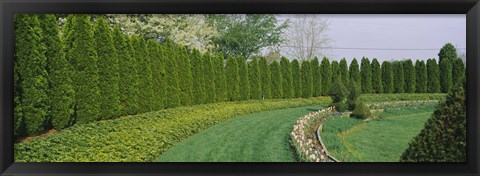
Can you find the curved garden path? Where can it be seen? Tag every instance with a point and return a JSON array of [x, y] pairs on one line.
[[257, 137]]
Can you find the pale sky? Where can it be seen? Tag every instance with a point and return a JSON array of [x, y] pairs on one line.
[[401, 31]]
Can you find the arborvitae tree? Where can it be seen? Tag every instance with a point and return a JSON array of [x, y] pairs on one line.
[[185, 82], [446, 74], [366, 74], [307, 79], [158, 73], [387, 77], [266, 78], [398, 77], [354, 71], [448, 51], [409, 71], [444, 137], [344, 71], [198, 91], [233, 79], [146, 95], [338, 91], [317, 77], [127, 71], [135, 54], [83, 57], [277, 79], [209, 71], [254, 76], [286, 71], [458, 70], [172, 90], [297, 81], [108, 70], [377, 86], [335, 71], [60, 90], [433, 76], [354, 92], [421, 77], [244, 81], [220, 79], [326, 71]]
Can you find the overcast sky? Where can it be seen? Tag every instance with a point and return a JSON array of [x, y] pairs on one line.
[[393, 32]]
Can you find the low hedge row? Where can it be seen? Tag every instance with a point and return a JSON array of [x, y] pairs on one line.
[[401, 97]]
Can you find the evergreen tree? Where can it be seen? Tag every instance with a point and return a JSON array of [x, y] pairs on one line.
[[446, 77], [185, 82], [209, 71], [297, 81], [108, 70], [421, 77], [354, 92], [354, 71], [286, 71], [307, 79], [83, 57], [254, 76], [366, 74], [399, 78], [387, 77], [135, 56], [326, 71], [338, 92], [244, 81], [266, 78], [458, 70], [448, 51], [60, 90], [198, 91], [377, 86], [409, 71], [172, 90], [158, 73], [444, 137], [433, 76], [146, 96], [336, 71], [18, 120], [233, 79], [344, 71], [220, 79], [277, 79], [317, 77]]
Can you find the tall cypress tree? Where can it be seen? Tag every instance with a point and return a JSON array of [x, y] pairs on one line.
[[198, 92], [409, 71], [344, 71], [286, 71], [172, 90], [458, 70], [266, 78], [317, 77], [377, 86], [399, 77], [83, 57], [233, 79], [366, 76], [307, 79], [336, 72], [158, 73], [60, 90], [297, 79], [209, 71], [448, 51], [355, 71], [326, 71], [277, 79], [446, 74], [387, 77], [145, 76], [108, 70], [220, 79], [254, 76], [433, 76], [135, 55], [32, 75], [421, 77], [244, 81], [185, 76]]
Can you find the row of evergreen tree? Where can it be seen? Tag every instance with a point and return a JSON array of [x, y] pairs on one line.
[[86, 72]]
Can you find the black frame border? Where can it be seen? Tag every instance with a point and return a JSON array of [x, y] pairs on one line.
[[10, 7]]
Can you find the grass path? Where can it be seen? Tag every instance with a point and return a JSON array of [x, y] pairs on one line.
[[258, 137]]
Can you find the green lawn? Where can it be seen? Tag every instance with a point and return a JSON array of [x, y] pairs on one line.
[[379, 140], [258, 137]]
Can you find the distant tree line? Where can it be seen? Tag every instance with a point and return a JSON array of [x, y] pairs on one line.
[[89, 71]]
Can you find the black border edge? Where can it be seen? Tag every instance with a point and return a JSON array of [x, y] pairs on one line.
[[10, 7]]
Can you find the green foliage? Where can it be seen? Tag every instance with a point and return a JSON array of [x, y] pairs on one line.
[[344, 71], [266, 78], [297, 83], [400, 97], [209, 71], [233, 79], [354, 71], [398, 77], [387, 77], [244, 81], [156, 52], [338, 92], [366, 76], [287, 83], [446, 76], [354, 92], [172, 90], [316, 77], [377, 86], [145, 98], [60, 90], [339, 106], [421, 77], [335, 71], [409, 72], [361, 111], [448, 51], [277, 80], [458, 71], [136, 66], [307, 79], [326, 72], [433, 76], [108, 70], [198, 89], [185, 78], [255, 79], [220, 79], [444, 137]]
